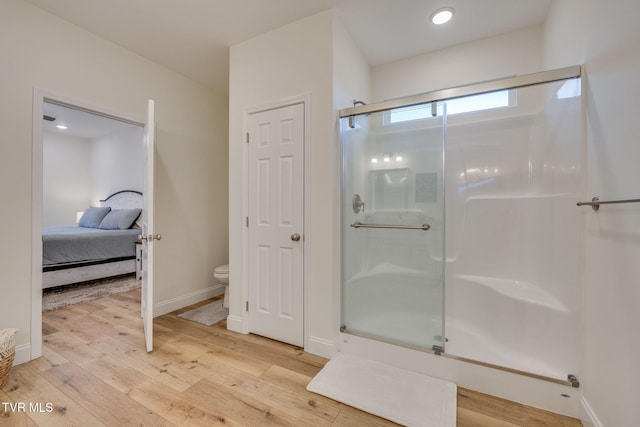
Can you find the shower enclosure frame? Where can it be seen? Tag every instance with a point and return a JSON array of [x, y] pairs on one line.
[[549, 76], [458, 92]]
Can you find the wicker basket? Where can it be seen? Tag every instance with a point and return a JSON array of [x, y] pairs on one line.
[[7, 353], [5, 368]]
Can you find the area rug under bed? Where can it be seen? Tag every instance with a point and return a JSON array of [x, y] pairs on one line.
[[62, 296], [402, 396], [208, 315]]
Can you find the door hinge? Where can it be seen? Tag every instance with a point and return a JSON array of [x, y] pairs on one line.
[[246, 222], [247, 138], [246, 306]]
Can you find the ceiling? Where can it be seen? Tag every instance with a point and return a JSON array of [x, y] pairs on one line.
[[193, 37], [80, 123]]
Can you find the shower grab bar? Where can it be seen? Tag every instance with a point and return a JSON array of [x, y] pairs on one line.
[[423, 227], [596, 202]]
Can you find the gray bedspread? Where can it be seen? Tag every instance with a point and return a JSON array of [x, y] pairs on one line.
[[62, 245]]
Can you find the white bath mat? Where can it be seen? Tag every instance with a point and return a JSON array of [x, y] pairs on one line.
[[208, 315], [402, 396]]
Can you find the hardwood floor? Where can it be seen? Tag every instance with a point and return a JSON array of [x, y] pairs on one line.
[[95, 372]]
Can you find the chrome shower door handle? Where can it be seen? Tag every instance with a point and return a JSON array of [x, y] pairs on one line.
[[295, 237]]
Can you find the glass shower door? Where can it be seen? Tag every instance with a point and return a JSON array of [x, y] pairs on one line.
[[393, 226]]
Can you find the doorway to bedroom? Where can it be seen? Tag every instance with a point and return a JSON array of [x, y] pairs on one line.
[[91, 171], [90, 166], [90, 177]]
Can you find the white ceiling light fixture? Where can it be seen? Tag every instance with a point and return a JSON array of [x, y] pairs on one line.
[[442, 15], [61, 126]]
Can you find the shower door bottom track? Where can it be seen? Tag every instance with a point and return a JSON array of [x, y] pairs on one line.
[[571, 380]]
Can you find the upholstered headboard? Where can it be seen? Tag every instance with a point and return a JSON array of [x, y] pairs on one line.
[[125, 199]]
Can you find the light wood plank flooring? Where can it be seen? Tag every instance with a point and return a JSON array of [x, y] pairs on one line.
[[95, 372]]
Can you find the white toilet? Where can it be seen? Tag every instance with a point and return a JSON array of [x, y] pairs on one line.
[[221, 274]]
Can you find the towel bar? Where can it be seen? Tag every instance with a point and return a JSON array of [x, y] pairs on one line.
[[423, 227], [596, 202]]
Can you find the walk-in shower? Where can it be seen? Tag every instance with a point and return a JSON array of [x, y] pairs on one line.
[[460, 234]]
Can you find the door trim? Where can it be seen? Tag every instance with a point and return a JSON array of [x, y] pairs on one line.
[[305, 100], [39, 97]]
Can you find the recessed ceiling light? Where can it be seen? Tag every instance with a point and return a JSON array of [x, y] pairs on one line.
[[442, 15], [61, 126]]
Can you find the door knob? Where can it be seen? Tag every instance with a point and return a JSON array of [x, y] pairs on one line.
[[150, 237], [295, 237]]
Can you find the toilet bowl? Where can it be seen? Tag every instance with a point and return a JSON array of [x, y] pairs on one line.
[[221, 274]]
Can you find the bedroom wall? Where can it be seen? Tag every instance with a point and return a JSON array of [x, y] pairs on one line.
[[506, 55], [604, 36], [191, 156], [79, 172], [65, 174], [116, 163]]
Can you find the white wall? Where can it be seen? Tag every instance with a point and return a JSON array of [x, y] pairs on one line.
[[116, 163], [605, 37], [65, 178], [191, 179], [515, 53], [351, 72]]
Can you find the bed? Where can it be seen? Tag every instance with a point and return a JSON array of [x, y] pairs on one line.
[[102, 245]]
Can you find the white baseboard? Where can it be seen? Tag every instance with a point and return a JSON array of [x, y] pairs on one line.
[[237, 324], [314, 345], [173, 304], [23, 354], [587, 415], [321, 347]]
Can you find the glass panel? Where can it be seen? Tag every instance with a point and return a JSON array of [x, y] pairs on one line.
[[392, 278], [513, 232]]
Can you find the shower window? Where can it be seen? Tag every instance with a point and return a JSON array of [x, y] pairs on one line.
[[466, 104]]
